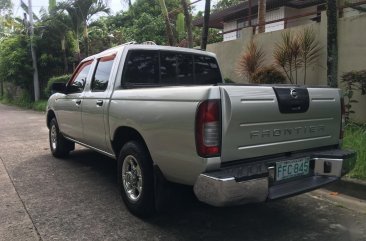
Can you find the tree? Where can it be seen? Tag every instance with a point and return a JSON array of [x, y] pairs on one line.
[[206, 20], [58, 24], [15, 62], [80, 12], [332, 43], [223, 4], [188, 22], [169, 31], [261, 16]]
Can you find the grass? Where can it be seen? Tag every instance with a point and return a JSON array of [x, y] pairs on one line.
[[39, 105], [355, 139]]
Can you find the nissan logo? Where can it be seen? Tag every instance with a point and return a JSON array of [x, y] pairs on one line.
[[293, 93]]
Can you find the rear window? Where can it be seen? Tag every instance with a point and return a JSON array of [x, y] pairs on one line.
[[156, 68]]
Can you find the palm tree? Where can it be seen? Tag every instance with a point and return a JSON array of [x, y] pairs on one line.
[[261, 16], [206, 20], [168, 27], [80, 11], [59, 24]]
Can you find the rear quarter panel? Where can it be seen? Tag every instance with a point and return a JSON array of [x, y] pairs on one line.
[[165, 117]]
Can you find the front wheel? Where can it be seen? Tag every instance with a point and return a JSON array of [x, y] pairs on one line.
[[60, 147], [136, 179]]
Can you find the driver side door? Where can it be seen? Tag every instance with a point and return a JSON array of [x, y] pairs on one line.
[[69, 106]]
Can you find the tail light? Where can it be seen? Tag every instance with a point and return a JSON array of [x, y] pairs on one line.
[[343, 119], [208, 127]]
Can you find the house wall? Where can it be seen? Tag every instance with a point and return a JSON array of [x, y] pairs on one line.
[[291, 12], [352, 53], [227, 27]]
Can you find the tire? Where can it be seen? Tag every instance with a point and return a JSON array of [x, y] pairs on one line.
[[59, 145], [136, 179]]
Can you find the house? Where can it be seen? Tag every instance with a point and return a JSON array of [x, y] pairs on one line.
[[280, 14]]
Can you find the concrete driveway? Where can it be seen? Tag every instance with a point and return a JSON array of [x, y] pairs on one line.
[[43, 198]]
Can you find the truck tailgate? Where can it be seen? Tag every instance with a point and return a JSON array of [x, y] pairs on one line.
[[253, 124]]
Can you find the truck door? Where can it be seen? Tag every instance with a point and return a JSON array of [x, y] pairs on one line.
[[69, 107], [95, 104]]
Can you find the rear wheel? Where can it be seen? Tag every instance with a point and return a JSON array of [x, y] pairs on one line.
[[59, 145], [136, 179]]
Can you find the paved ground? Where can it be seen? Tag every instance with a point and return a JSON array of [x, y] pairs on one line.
[[43, 198]]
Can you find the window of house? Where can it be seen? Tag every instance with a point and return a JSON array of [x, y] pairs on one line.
[[102, 73], [80, 76]]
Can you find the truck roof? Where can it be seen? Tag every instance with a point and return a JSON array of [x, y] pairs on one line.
[[147, 47]]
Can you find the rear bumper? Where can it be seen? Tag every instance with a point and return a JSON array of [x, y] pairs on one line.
[[254, 182]]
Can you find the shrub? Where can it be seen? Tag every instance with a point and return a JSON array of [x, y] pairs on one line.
[[228, 80], [269, 75], [56, 79], [353, 81], [251, 61]]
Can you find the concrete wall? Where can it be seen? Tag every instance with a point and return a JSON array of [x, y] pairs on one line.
[[352, 53]]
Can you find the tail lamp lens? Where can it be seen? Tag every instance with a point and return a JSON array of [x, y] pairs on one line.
[[208, 127]]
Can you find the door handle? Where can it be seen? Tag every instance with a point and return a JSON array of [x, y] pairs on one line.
[[99, 102], [78, 102]]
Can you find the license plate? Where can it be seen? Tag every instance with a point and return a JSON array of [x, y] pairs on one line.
[[292, 168]]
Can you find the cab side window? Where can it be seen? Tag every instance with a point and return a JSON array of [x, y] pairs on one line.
[[206, 70], [101, 75], [79, 79], [141, 67]]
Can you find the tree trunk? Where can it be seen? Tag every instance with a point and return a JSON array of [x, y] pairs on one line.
[[206, 20], [332, 46], [261, 16], [77, 44], [2, 88], [188, 22], [168, 27], [86, 39], [63, 48]]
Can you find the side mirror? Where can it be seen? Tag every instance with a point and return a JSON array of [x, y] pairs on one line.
[[58, 88]]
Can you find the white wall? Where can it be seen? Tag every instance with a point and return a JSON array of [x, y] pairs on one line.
[[227, 27], [352, 54]]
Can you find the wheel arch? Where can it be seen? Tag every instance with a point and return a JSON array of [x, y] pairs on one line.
[[124, 134], [50, 115]]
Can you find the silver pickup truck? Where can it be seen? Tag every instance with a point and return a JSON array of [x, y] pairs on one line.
[[165, 113]]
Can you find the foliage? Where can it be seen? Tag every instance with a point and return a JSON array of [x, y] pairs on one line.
[[223, 4], [15, 61], [251, 61], [228, 80], [39, 105], [180, 26], [355, 139], [286, 54], [56, 79], [353, 81], [80, 12], [296, 50], [269, 75], [309, 48]]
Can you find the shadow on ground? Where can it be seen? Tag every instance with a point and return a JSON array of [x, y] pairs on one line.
[[78, 198]]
